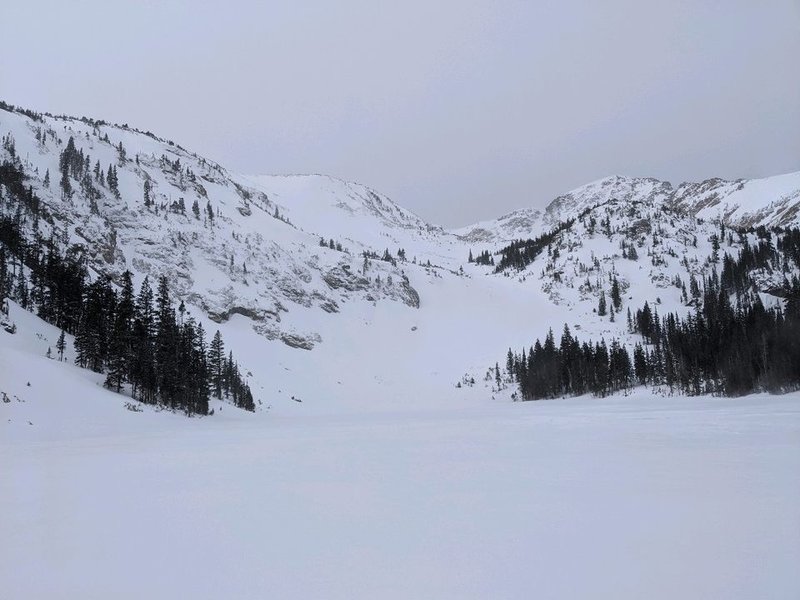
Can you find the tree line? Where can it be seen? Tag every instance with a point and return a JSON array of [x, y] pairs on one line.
[[731, 344], [138, 340], [484, 258], [520, 253], [571, 368]]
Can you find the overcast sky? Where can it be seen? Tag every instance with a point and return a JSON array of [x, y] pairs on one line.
[[457, 110]]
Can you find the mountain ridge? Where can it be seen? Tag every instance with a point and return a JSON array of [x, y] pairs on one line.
[[782, 208], [711, 198], [285, 265]]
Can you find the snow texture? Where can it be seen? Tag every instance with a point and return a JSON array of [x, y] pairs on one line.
[[365, 471]]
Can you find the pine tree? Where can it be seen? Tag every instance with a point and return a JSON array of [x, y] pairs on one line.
[[143, 368], [201, 372], [166, 341], [217, 364], [120, 358], [61, 345], [148, 201], [66, 186], [616, 297]]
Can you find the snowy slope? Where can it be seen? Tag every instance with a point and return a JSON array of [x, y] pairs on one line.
[[771, 201], [625, 189], [641, 496], [379, 332], [520, 224], [249, 260], [526, 223], [365, 471], [348, 209]]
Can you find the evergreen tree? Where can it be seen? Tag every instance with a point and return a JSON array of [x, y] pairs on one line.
[[217, 364], [61, 345], [148, 201], [601, 305], [143, 335], [616, 297], [166, 351], [121, 350]]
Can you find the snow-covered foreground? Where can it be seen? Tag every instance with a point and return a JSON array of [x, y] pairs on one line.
[[387, 481], [365, 471], [636, 497]]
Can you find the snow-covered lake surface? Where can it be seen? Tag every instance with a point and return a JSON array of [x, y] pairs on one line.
[[637, 497]]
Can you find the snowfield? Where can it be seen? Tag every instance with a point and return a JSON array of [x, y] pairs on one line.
[[373, 467], [442, 497]]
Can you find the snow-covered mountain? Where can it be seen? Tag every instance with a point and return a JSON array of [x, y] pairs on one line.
[[519, 224], [381, 436], [227, 244], [771, 201], [253, 254]]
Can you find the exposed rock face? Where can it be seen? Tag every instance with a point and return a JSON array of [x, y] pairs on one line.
[[297, 341], [341, 278], [624, 189], [233, 245], [640, 227], [224, 244], [408, 294], [518, 224], [250, 313], [773, 201]]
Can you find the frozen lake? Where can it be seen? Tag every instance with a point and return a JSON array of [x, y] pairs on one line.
[[635, 497]]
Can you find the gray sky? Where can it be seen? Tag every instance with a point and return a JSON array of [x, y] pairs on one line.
[[458, 110]]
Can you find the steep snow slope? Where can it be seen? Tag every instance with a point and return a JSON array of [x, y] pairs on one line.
[[519, 224], [380, 332], [43, 398], [771, 201], [625, 189], [350, 210], [528, 222], [246, 259]]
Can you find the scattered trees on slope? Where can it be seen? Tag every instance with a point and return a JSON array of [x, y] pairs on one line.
[[136, 340], [730, 345], [519, 254]]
